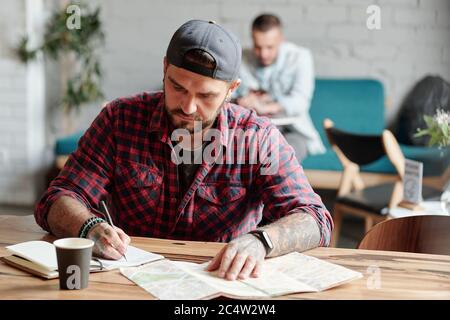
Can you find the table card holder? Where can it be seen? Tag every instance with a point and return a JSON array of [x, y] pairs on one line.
[[412, 185]]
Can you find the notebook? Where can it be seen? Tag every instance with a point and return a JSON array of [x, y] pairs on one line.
[[39, 258]]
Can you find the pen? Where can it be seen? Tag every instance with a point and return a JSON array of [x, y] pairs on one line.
[[105, 211]]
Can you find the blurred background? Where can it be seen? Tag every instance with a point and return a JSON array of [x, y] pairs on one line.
[[413, 41]]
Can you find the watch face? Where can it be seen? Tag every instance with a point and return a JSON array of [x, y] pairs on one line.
[[264, 238], [267, 240]]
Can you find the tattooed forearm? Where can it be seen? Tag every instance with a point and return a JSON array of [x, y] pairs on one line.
[[296, 232], [66, 216]]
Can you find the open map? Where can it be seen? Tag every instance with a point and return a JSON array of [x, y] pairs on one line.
[[291, 273]]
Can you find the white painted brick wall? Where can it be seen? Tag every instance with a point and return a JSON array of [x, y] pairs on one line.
[[349, 33], [446, 56], [13, 131], [414, 41], [439, 5], [377, 52], [326, 14], [443, 18], [401, 4], [17, 181], [414, 17]]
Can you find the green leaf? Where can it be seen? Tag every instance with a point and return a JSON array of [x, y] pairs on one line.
[[428, 120], [83, 87], [22, 51], [444, 129], [421, 133]]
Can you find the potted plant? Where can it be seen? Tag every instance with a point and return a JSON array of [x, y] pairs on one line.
[[75, 49], [438, 130]]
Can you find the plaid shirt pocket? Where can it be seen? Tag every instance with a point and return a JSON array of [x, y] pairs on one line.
[[216, 208], [220, 194], [139, 187]]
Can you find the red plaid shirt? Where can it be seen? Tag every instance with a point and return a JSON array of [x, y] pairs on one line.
[[126, 155]]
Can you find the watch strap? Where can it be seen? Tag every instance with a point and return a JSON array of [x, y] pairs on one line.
[[264, 238]]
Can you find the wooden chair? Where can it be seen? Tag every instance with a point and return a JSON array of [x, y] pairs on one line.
[[353, 151], [419, 234]]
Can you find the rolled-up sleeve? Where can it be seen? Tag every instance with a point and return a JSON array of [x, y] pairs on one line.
[[285, 189], [87, 173]]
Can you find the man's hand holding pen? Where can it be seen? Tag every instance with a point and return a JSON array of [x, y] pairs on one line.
[[110, 242]]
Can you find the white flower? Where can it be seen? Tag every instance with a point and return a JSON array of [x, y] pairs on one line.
[[442, 117]]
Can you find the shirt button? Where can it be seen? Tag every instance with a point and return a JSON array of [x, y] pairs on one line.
[[173, 200]]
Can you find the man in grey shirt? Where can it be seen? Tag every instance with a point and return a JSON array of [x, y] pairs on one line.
[[278, 79]]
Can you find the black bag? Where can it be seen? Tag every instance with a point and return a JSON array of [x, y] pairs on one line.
[[428, 95]]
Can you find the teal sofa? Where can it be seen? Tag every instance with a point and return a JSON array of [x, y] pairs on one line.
[[355, 105], [66, 145]]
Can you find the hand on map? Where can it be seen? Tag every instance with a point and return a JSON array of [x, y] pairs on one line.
[[240, 258]]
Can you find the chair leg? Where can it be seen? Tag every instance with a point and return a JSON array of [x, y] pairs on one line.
[[337, 221], [369, 223]]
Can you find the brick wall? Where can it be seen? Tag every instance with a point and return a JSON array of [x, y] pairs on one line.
[[21, 108], [13, 150]]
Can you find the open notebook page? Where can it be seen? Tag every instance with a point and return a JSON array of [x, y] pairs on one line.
[[135, 257], [43, 254]]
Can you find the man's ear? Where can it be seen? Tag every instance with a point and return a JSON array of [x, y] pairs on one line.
[[233, 86], [165, 64]]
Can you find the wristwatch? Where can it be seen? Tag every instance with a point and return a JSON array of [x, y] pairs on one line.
[[264, 238]]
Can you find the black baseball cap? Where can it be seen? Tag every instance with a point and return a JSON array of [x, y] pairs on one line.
[[212, 38]]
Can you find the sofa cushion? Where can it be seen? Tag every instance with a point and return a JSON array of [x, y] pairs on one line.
[[67, 144], [435, 161], [356, 105]]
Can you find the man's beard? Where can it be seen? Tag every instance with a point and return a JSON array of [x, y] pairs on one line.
[[189, 124]]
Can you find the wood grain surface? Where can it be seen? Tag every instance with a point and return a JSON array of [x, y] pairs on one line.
[[387, 274]]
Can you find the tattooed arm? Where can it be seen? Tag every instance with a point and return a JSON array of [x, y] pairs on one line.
[[243, 256], [295, 232], [300, 219], [66, 217]]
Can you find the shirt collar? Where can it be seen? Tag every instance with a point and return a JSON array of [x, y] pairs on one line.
[[158, 119], [222, 124]]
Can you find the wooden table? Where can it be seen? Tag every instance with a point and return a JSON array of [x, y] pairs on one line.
[[402, 275]]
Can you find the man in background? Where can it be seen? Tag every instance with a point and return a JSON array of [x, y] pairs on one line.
[[278, 80]]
